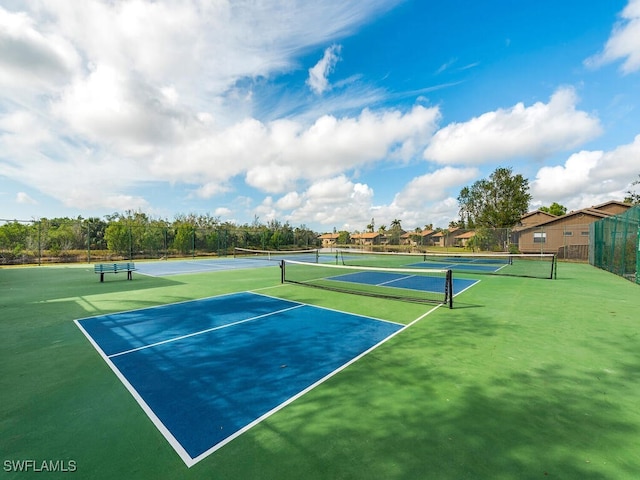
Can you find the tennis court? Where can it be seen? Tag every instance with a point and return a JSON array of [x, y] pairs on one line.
[[204, 371], [517, 265], [194, 266], [524, 378]]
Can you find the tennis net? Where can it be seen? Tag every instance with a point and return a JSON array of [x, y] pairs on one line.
[[408, 284], [310, 255], [517, 265]]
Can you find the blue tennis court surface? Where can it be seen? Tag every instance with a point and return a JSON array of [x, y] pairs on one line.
[[164, 268], [181, 267], [456, 264], [205, 371], [402, 280]]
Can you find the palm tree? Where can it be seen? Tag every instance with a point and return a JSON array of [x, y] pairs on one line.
[[371, 226]]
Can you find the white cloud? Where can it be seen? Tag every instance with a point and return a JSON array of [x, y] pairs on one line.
[[344, 204], [624, 42], [589, 177], [112, 108], [329, 202], [318, 79], [433, 186], [276, 155], [22, 197], [272, 178], [290, 201], [536, 131], [222, 212], [22, 130], [211, 189], [30, 58]]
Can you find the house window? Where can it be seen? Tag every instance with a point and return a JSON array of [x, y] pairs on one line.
[[539, 237], [568, 234], [584, 234]]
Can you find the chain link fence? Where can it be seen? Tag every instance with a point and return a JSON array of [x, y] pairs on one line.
[[615, 244], [81, 240]]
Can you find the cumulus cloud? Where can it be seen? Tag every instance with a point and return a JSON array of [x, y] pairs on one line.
[[290, 201], [535, 131], [588, 177], [22, 197], [434, 186], [624, 41], [222, 212], [329, 201], [318, 79], [115, 109], [274, 156], [30, 58]]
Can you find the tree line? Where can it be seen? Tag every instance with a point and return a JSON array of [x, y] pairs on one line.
[[133, 235]]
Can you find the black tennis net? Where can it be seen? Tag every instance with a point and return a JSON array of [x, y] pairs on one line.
[[309, 255], [517, 265], [412, 284]]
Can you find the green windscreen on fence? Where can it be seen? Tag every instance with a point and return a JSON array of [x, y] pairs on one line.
[[614, 244]]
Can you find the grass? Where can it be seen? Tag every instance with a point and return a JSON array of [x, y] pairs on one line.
[[524, 378]]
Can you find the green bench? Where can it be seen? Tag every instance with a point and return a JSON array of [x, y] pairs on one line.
[[103, 268]]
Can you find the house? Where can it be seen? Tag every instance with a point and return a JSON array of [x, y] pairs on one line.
[[329, 239], [426, 237], [612, 207], [534, 218], [367, 238], [408, 238], [567, 235], [447, 238], [463, 239]]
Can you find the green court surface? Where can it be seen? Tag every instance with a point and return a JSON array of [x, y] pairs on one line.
[[522, 379]]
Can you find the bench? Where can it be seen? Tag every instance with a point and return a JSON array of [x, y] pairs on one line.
[[103, 268]]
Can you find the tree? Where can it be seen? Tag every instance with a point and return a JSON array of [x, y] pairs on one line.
[[497, 202], [554, 209], [13, 236], [371, 227], [343, 237], [633, 197], [118, 237], [396, 231], [184, 240]]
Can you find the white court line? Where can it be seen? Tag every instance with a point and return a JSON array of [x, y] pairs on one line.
[[219, 327], [395, 280]]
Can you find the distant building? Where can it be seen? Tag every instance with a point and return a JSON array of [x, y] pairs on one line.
[[329, 239], [566, 235], [463, 239], [447, 238], [367, 238]]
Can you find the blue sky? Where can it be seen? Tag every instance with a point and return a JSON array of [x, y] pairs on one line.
[[326, 114]]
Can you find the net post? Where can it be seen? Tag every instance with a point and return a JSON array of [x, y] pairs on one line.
[[281, 271], [449, 288]]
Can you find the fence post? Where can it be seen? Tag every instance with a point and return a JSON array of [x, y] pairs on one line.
[[638, 258]]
